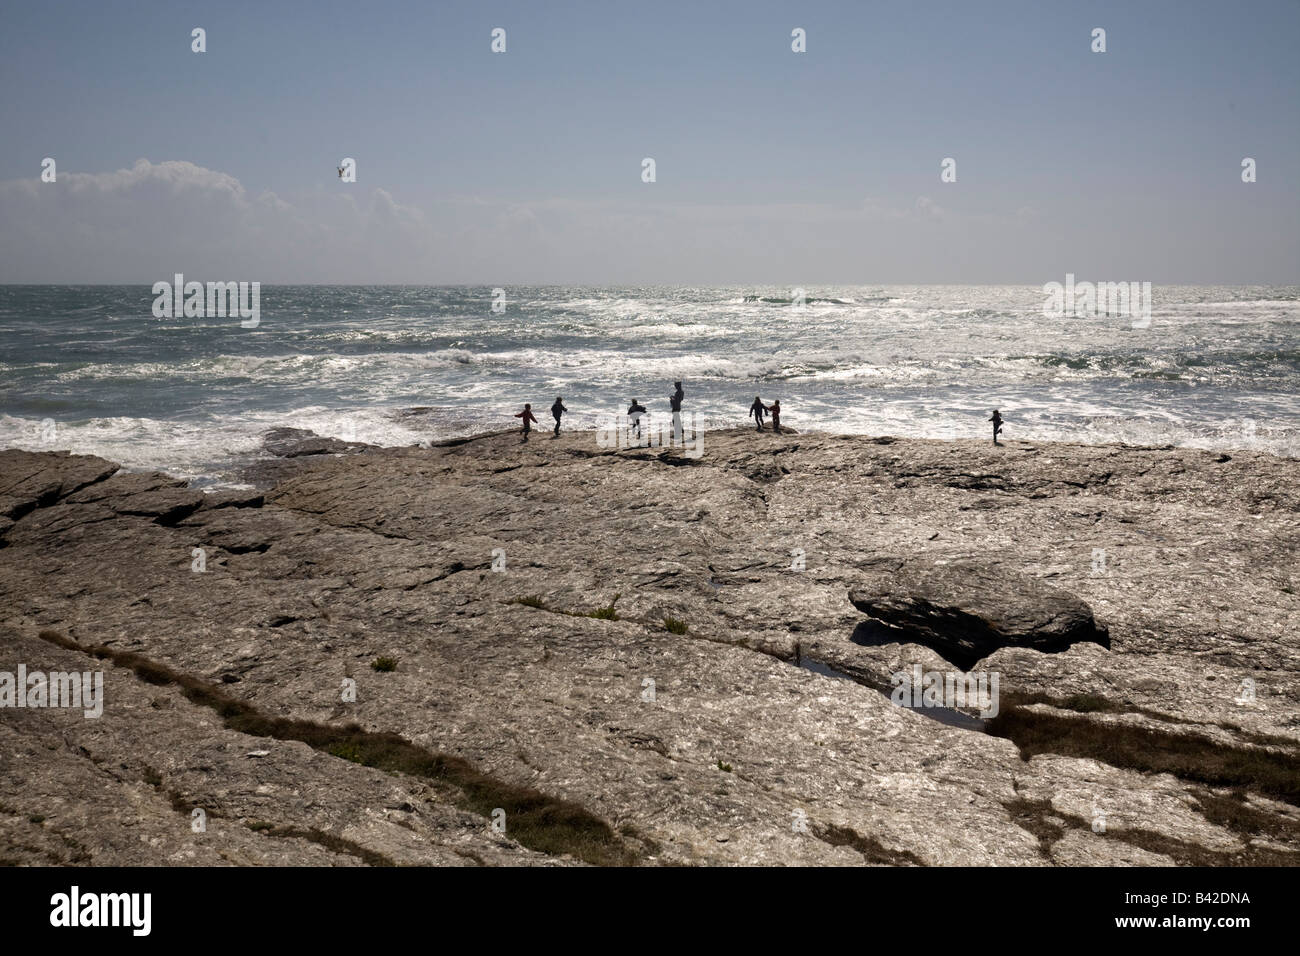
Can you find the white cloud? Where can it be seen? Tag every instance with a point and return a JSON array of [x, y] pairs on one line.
[[143, 224], [927, 208], [155, 219], [146, 222]]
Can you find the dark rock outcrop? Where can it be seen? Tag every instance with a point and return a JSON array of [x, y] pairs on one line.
[[30, 480], [966, 610]]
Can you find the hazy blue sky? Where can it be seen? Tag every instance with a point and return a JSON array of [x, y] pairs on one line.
[[773, 167]]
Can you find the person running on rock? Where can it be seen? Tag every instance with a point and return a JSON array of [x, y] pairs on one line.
[[634, 412], [757, 410], [557, 410], [527, 416], [775, 409], [997, 425]]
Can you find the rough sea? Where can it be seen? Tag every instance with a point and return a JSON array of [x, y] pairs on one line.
[[90, 369]]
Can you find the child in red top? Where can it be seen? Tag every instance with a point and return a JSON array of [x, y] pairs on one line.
[[529, 420]]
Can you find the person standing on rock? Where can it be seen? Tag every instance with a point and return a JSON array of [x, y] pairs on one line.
[[557, 410], [775, 409], [997, 425], [527, 416], [675, 403], [634, 412], [757, 410]]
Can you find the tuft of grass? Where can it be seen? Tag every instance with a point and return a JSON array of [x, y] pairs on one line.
[[346, 750], [607, 613], [36, 818], [675, 625], [384, 664], [537, 820], [724, 767], [533, 600]]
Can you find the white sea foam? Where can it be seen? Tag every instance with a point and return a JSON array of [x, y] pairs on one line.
[[1219, 367]]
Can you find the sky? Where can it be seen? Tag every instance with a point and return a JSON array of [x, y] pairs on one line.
[[771, 167]]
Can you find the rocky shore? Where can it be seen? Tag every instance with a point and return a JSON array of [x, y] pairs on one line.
[[494, 653]]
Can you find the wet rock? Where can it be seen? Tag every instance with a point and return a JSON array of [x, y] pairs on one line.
[[297, 442]]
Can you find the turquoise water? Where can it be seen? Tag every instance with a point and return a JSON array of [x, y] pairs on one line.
[[90, 369]]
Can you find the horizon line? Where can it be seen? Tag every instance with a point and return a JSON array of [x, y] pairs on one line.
[[649, 285]]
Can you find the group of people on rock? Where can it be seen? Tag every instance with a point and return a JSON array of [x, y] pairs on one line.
[[758, 408], [557, 410], [636, 410]]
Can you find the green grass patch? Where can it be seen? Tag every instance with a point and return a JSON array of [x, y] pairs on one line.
[[383, 664], [675, 625], [606, 613]]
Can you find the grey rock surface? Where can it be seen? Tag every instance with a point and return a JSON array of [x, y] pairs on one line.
[[625, 634]]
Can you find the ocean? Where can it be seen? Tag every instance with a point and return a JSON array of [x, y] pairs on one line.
[[90, 369]]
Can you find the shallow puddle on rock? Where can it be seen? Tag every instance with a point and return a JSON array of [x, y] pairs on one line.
[[944, 715]]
